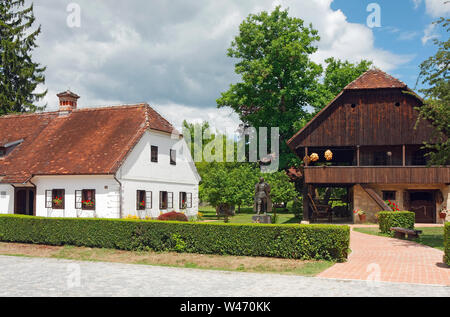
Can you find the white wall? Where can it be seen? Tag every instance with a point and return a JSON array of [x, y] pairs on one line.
[[7, 200], [136, 173], [139, 173], [106, 195]]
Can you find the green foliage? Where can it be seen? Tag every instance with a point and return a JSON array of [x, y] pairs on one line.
[[19, 75], [447, 243], [282, 189], [278, 77], [338, 74], [390, 219], [320, 242], [234, 184], [434, 73], [297, 208]]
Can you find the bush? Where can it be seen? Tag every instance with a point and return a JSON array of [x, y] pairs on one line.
[[173, 216], [447, 244], [307, 242], [390, 219]]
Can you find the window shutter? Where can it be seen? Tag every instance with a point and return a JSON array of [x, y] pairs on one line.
[[137, 199], [64, 198], [49, 199], [160, 200], [189, 200], [78, 199], [180, 200], [169, 200], [148, 200]]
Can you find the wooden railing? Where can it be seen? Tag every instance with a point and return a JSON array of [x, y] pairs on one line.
[[377, 175]]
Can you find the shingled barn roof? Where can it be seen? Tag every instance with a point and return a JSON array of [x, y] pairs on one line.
[[375, 79], [86, 142]]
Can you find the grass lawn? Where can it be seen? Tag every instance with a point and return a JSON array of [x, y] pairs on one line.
[[245, 216], [182, 260], [433, 237]]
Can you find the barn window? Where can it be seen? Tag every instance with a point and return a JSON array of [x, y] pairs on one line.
[[353, 105], [397, 104], [389, 195], [154, 155]]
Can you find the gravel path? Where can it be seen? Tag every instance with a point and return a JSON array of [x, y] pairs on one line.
[[51, 277]]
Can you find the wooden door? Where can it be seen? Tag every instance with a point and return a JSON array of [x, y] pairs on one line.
[[25, 201], [423, 204]]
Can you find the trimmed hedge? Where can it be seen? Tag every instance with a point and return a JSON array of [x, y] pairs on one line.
[[447, 243], [390, 219], [307, 242]]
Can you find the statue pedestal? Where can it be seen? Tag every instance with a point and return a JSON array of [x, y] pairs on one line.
[[262, 219]]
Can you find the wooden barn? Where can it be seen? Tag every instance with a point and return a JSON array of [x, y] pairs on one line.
[[366, 144]]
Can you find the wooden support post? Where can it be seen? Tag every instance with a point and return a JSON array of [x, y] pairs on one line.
[[358, 156], [404, 155], [305, 202], [306, 154]]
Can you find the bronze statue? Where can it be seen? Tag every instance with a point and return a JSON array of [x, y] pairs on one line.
[[263, 203]]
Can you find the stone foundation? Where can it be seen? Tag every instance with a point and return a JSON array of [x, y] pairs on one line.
[[362, 200]]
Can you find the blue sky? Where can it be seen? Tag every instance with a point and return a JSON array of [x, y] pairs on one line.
[[172, 53], [403, 23]]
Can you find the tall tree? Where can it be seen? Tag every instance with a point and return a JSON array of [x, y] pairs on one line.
[[19, 75], [435, 76], [278, 77], [338, 74]]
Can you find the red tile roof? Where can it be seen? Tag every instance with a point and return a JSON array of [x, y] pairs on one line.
[[375, 79], [87, 141]]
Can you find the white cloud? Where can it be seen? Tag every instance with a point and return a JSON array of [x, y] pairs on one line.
[[173, 53], [435, 8], [429, 33], [438, 8]]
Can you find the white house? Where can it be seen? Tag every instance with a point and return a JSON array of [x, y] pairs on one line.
[[106, 162]]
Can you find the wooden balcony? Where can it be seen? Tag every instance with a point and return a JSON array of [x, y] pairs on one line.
[[377, 175]]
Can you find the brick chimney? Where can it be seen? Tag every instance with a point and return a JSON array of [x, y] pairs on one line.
[[67, 101]]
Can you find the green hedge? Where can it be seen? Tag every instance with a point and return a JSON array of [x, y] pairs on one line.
[[320, 242], [390, 219], [447, 243]]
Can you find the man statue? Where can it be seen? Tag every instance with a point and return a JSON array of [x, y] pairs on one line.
[[263, 203]]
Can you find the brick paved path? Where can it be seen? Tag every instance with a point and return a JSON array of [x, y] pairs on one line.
[[390, 260], [21, 276]]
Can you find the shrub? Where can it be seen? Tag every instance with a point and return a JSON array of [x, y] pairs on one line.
[[390, 219], [307, 242], [447, 244], [173, 216]]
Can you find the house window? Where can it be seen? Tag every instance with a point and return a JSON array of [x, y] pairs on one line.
[[54, 199], [2, 151], [154, 155], [58, 198], [183, 200], [389, 195], [88, 199], [165, 200], [141, 200], [173, 157]]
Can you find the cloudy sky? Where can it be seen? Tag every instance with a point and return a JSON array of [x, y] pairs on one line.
[[172, 53]]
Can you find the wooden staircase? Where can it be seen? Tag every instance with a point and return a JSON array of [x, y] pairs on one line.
[[373, 194]]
